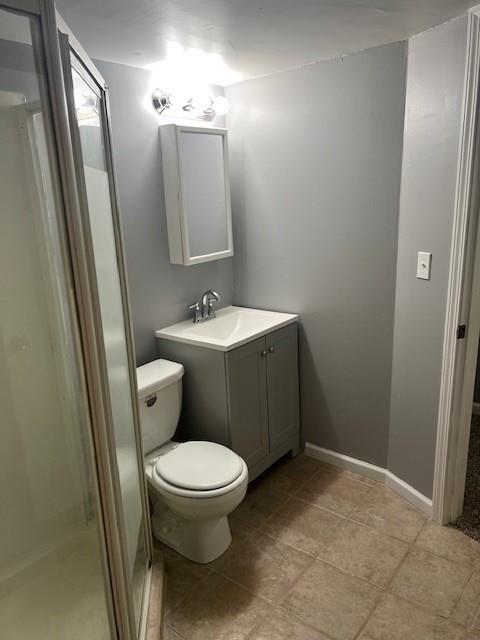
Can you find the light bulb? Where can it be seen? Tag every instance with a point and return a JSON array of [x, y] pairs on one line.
[[161, 100], [201, 102], [221, 105]]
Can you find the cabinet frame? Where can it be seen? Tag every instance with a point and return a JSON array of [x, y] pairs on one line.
[[177, 223]]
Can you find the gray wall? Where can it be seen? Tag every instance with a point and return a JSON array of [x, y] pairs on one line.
[[159, 291], [436, 63], [316, 165], [315, 159]]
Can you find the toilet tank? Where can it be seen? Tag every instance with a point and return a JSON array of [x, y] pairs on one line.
[[160, 401]]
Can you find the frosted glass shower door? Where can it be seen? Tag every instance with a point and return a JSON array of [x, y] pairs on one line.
[[95, 178], [51, 537]]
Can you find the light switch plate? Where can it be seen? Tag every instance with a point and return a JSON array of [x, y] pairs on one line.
[[424, 262]]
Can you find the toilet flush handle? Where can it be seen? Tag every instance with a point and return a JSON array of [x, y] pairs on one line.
[[150, 400]]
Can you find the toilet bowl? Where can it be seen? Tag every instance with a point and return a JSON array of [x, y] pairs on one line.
[[194, 485]]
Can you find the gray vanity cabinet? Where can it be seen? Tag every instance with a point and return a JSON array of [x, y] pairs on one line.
[[246, 398], [248, 404]]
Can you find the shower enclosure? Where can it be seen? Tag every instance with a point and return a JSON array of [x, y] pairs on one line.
[[75, 546]]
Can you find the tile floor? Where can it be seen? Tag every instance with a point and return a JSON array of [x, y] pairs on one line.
[[321, 554]]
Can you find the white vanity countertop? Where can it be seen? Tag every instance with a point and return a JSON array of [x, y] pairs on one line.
[[232, 327]]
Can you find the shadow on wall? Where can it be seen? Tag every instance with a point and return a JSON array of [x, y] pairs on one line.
[[312, 396]]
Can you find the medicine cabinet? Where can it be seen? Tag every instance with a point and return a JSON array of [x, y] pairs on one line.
[[197, 193]]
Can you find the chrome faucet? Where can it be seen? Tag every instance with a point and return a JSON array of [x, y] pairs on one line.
[[208, 300], [203, 310]]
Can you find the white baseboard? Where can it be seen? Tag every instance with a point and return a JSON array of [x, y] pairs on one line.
[[369, 470], [410, 494], [345, 462], [476, 408]]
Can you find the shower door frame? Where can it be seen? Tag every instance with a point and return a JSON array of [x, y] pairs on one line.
[[70, 48], [78, 263]]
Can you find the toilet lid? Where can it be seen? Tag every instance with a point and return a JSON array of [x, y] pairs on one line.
[[201, 466]]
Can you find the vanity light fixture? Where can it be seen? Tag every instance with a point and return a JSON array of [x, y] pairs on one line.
[[199, 107]]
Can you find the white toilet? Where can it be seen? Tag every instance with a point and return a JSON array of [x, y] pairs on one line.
[[193, 485]]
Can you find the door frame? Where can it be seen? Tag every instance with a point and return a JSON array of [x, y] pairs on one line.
[[463, 303]]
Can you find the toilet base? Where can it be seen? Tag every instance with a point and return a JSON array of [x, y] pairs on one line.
[[199, 540]]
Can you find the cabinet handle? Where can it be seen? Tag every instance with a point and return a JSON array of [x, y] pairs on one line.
[[264, 353], [271, 349]]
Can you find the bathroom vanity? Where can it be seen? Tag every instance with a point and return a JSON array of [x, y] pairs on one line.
[[241, 382]]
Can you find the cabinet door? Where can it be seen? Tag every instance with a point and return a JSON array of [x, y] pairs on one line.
[[282, 384], [247, 386]]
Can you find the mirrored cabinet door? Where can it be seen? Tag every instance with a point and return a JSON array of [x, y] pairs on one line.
[[197, 193]]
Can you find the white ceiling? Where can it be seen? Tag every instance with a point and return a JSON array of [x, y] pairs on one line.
[[249, 38]]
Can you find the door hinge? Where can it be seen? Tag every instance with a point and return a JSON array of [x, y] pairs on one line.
[[461, 331]]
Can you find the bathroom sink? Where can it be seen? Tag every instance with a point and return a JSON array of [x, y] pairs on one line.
[[232, 327]]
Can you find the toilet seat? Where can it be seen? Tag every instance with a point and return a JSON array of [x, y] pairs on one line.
[[234, 467], [199, 466]]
